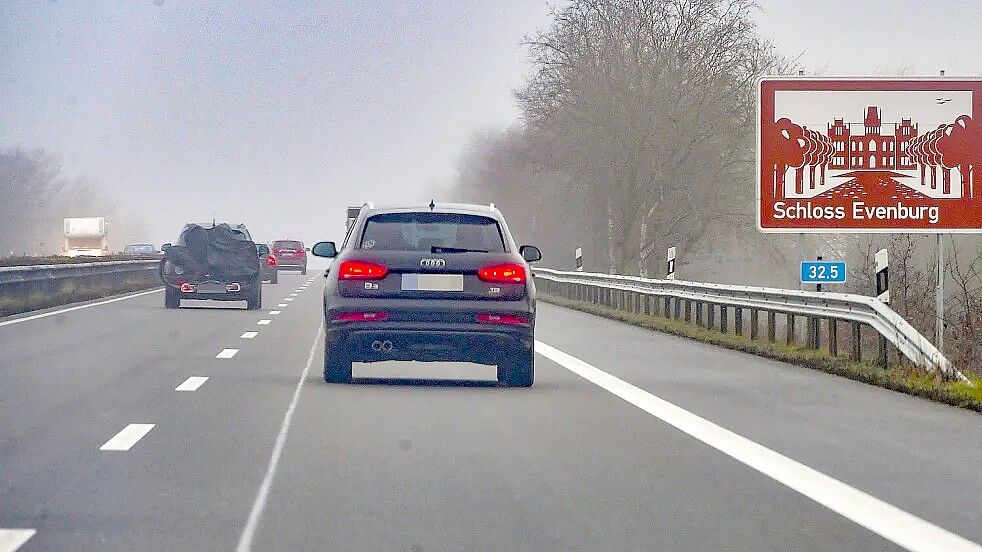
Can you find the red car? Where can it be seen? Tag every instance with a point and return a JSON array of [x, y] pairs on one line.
[[290, 255]]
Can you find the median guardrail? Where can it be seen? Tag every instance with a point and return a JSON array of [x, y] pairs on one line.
[[702, 302], [22, 282]]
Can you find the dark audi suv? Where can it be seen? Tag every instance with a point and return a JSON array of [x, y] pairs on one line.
[[437, 283]]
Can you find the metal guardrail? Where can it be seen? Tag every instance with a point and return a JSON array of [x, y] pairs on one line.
[[23, 281], [678, 299]]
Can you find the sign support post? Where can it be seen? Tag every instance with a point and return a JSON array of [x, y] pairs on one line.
[[939, 299]]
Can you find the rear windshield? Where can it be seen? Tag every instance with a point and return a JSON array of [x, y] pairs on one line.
[[286, 244], [423, 231]]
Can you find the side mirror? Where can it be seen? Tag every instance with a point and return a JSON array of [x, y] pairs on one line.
[[530, 253], [165, 247], [324, 249], [263, 250]]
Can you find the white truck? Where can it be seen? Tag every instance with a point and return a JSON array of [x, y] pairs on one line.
[[85, 236]]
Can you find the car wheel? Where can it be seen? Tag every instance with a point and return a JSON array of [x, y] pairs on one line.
[[275, 277], [171, 299], [255, 302], [518, 369], [303, 270], [337, 364]]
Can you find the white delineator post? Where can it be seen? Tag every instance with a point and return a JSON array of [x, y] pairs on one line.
[[882, 276], [579, 259], [670, 265]]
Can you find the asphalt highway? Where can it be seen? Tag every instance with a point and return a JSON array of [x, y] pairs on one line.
[[126, 426]]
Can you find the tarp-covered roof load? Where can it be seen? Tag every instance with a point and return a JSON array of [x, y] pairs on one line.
[[221, 252]]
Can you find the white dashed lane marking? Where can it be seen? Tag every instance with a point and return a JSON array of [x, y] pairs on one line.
[[264, 322], [281, 305], [249, 335], [127, 437], [12, 539], [192, 383], [289, 299], [274, 312], [227, 353]]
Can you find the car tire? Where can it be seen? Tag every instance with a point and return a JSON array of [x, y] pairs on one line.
[[303, 271], [171, 299], [275, 277], [337, 364], [518, 369], [255, 302]]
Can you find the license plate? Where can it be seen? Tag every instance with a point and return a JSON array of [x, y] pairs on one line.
[[210, 288], [286, 253], [433, 282]]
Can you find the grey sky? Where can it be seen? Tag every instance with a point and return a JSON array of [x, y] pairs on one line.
[[279, 114]]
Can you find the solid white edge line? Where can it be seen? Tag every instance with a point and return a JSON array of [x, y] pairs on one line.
[[12, 539], [192, 383], [886, 520], [249, 335], [127, 437], [264, 322], [227, 353], [77, 307], [256, 512]]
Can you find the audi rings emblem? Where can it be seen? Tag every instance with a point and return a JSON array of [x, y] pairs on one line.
[[433, 263]]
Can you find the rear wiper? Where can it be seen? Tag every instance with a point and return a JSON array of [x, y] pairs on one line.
[[438, 249]]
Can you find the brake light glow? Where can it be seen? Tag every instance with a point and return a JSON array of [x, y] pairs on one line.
[[506, 319], [361, 270], [271, 260], [187, 288], [512, 273], [359, 317]]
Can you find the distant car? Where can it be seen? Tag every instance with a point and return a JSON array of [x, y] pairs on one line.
[[268, 264], [436, 283], [135, 249], [290, 255]]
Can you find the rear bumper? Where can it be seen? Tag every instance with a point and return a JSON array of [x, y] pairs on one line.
[[428, 342]]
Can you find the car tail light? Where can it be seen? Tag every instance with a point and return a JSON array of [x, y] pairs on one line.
[[359, 317], [506, 319], [187, 288], [360, 270], [233, 287], [512, 273], [271, 260]]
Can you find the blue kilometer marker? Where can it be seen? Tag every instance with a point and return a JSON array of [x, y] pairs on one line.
[[823, 272]]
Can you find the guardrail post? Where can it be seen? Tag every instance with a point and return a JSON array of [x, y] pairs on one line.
[[790, 327], [883, 351], [754, 323], [771, 326], [678, 308], [710, 315], [698, 313], [738, 320], [668, 307], [857, 343], [833, 337], [688, 310], [723, 308]]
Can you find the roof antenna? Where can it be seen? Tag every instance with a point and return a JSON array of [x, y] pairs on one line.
[[432, 204], [213, 219]]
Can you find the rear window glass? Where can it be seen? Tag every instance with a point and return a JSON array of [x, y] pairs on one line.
[[287, 245], [424, 231]]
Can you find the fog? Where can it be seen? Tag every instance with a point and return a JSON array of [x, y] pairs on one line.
[[280, 116]]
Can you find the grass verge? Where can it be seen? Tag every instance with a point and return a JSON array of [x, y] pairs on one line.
[[35, 301], [906, 379]]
